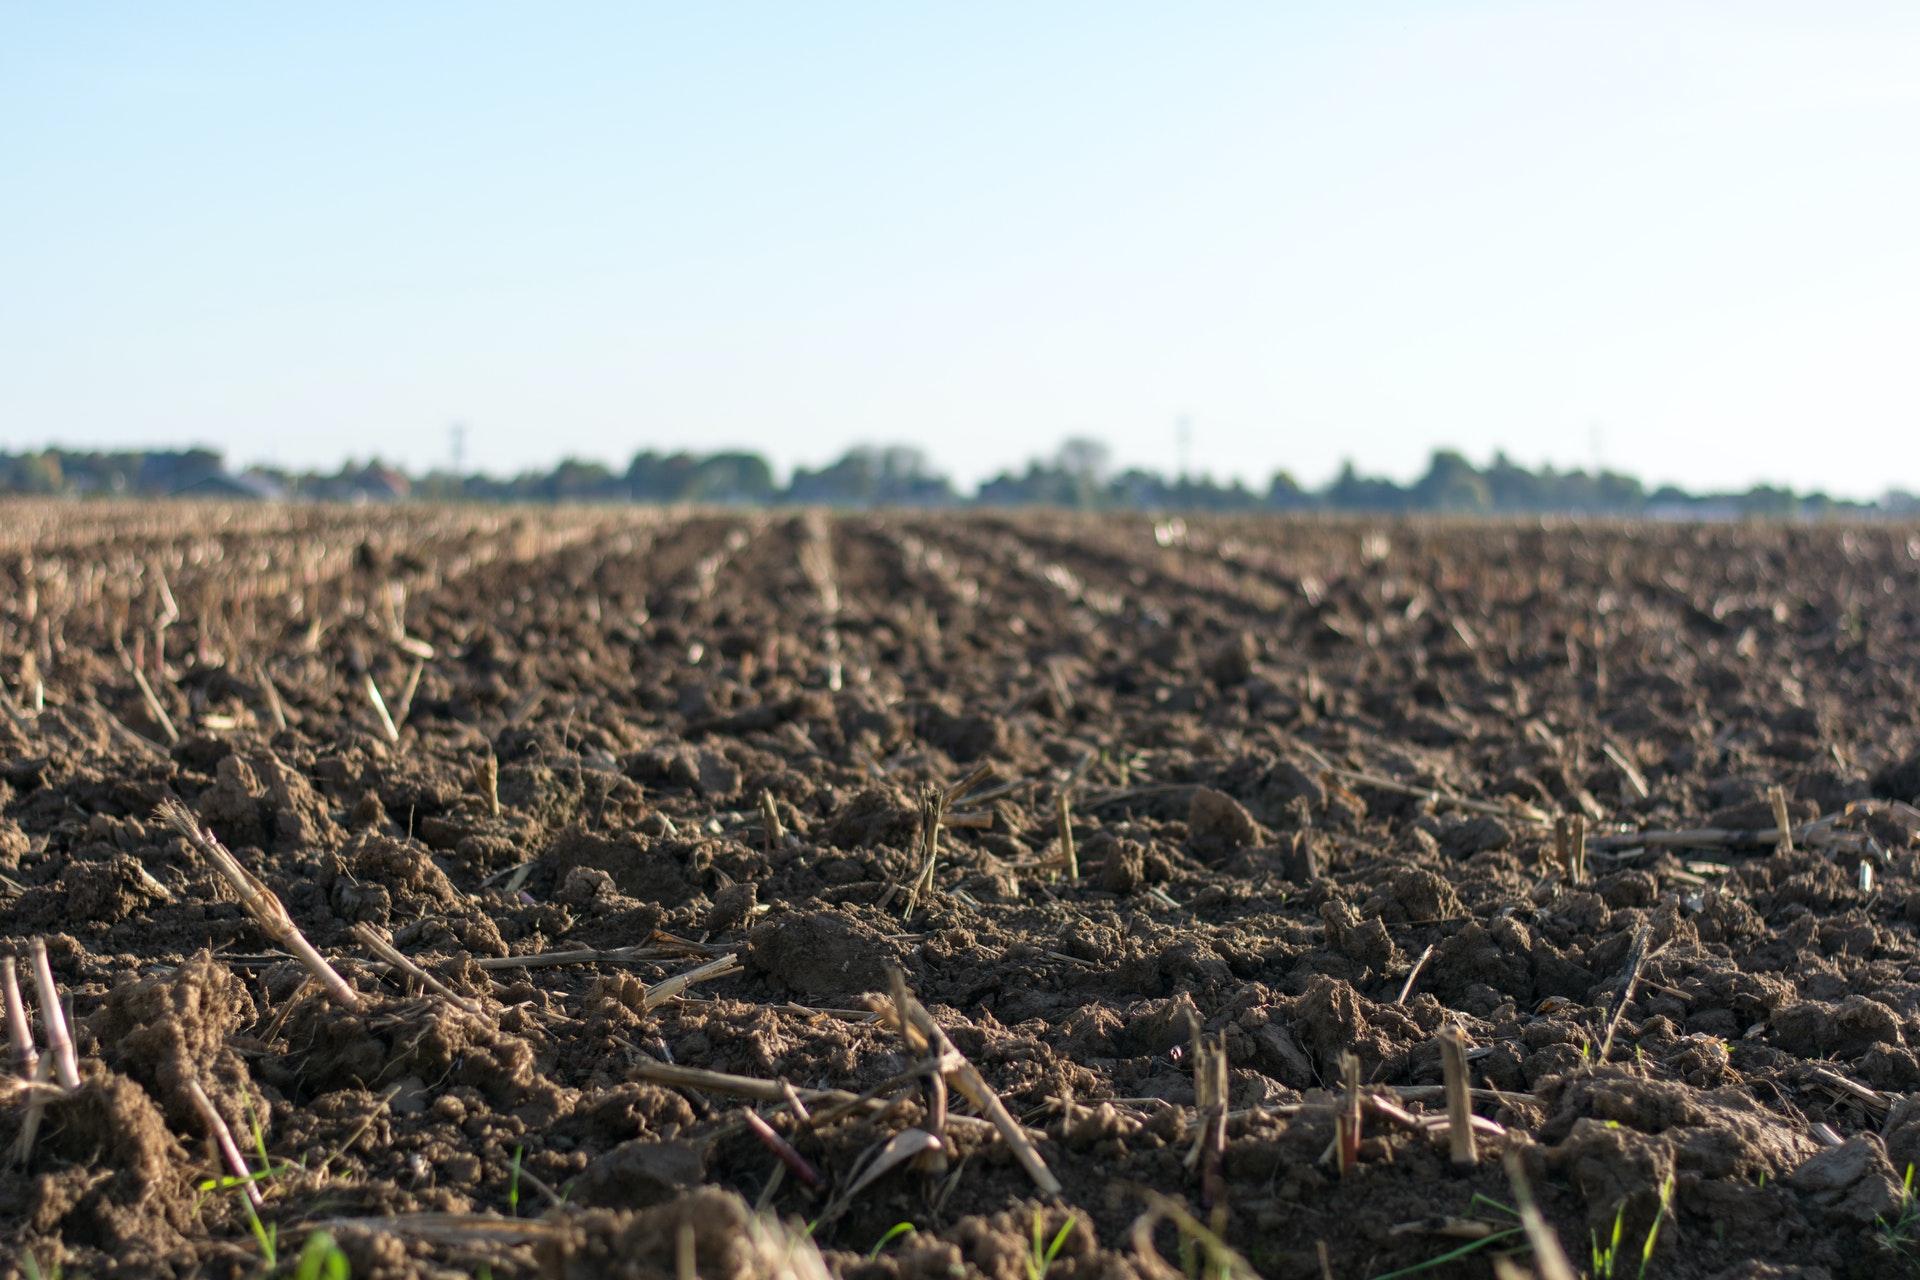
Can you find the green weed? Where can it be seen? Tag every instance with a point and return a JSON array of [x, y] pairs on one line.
[[1472, 1246], [1653, 1232], [1606, 1258], [1040, 1256], [894, 1232], [265, 1234], [1900, 1235], [321, 1259]]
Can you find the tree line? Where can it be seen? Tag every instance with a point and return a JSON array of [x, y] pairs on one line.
[[1079, 474]]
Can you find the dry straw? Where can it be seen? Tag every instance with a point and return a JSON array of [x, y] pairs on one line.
[[1453, 1066], [259, 901], [25, 1056], [223, 1141], [66, 1068], [971, 1083]]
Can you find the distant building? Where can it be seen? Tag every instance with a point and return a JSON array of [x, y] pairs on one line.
[[385, 484], [372, 483]]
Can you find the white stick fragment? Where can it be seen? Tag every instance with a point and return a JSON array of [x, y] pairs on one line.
[[669, 988], [66, 1067], [37, 1092], [275, 708], [1777, 796], [380, 709], [1453, 1065], [25, 1056], [1635, 780], [1549, 1259], [260, 903], [975, 1086], [154, 709], [223, 1140], [404, 707], [371, 939]]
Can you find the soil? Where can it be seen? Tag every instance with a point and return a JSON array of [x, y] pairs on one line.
[[1315, 768]]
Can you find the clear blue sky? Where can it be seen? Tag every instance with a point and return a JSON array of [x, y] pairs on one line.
[[1687, 233]]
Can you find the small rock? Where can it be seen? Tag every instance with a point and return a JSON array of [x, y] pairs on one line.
[[1853, 1181], [1123, 863], [1217, 824], [1156, 1026], [1300, 857], [1474, 835], [636, 1174], [732, 907], [582, 885], [1232, 662], [821, 954]]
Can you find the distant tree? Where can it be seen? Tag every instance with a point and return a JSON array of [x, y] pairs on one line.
[[1351, 491], [1452, 484], [902, 466], [578, 480], [652, 477], [1285, 494], [732, 477], [1765, 501], [851, 480], [1511, 487], [1041, 484], [1620, 494], [1084, 463], [171, 470], [870, 475], [37, 473]]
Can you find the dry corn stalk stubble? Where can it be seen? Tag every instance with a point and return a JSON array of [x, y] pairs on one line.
[[259, 901], [971, 1083], [1453, 1063], [25, 1056], [66, 1067]]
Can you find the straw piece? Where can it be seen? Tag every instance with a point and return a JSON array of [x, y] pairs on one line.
[[259, 901], [223, 1141], [380, 708], [371, 939], [663, 991], [154, 709], [1413, 974], [19, 1032], [970, 1082], [1549, 1259], [66, 1068], [1453, 1065], [38, 1090]]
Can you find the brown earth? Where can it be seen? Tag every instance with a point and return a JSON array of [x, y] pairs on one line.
[[1317, 755]]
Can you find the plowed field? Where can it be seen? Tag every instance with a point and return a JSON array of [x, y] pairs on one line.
[[1187, 847]]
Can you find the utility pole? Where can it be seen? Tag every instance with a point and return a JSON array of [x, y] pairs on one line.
[[1183, 445], [459, 433]]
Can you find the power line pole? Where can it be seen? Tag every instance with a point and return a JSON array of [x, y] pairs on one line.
[[1183, 445], [459, 433]]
